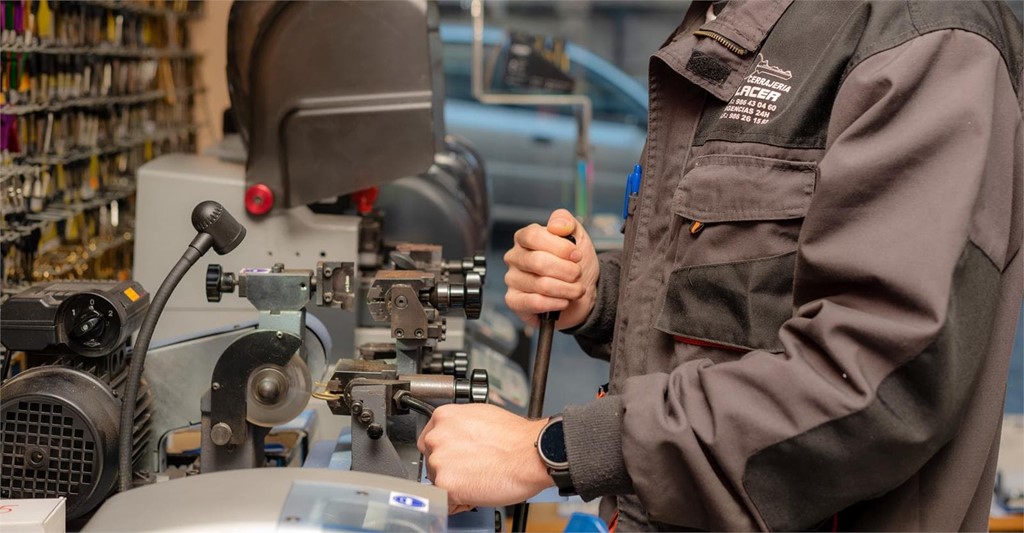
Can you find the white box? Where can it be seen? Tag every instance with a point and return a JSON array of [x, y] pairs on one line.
[[45, 515]]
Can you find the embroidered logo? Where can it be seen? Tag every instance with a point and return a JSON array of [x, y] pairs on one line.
[[757, 99]]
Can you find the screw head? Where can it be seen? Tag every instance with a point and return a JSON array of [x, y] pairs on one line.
[[399, 333], [280, 334], [220, 433], [215, 386], [366, 417], [328, 297], [356, 408], [375, 431], [401, 302]]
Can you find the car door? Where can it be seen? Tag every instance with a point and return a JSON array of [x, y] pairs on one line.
[[522, 146]]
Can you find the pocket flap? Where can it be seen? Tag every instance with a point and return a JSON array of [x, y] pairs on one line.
[[728, 188]]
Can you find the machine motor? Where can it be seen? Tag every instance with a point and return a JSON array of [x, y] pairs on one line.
[[60, 416]]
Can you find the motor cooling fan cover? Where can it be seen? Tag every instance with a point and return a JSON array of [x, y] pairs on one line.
[[58, 437]]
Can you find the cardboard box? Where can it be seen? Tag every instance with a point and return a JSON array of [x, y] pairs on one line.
[[32, 516]]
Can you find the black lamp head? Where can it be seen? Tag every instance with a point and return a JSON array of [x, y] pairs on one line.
[[211, 218]]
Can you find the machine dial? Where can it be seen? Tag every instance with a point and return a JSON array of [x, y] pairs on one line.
[[92, 325]]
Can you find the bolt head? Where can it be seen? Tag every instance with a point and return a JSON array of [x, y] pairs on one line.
[[280, 334], [399, 333], [220, 433], [375, 431], [356, 408], [269, 390]]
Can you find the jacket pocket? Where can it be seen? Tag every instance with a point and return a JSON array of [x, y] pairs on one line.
[[731, 283]]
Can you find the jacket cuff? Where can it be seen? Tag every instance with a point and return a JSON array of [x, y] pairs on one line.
[[593, 441], [600, 324]]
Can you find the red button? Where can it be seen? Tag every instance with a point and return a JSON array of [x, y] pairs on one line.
[[259, 199]]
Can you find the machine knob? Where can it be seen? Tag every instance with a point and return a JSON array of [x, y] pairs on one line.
[[218, 282], [474, 297], [480, 266], [213, 273], [459, 365], [89, 325], [474, 389]]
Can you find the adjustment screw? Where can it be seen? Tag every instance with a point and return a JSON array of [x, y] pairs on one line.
[[356, 408], [328, 272], [366, 416], [401, 302], [375, 431], [220, 433]]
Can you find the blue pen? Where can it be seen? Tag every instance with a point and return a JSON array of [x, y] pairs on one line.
[[632, 189]]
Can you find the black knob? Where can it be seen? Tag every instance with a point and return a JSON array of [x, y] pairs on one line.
[[213, 273], [88, 325], [218, 282]]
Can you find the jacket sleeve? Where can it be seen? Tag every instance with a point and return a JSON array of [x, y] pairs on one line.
[[594, 335], [898, 267]]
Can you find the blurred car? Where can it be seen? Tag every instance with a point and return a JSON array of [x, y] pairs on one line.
[[529, 151]]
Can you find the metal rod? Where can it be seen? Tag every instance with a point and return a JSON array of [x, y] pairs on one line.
[[541, 364]]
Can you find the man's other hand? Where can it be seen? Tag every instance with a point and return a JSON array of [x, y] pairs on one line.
[[483, 455], [547, 272]]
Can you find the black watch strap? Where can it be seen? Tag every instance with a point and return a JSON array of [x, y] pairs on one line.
[[563, 481]]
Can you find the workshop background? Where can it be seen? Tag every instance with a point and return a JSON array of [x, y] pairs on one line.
[[624, 33], [187, 94]]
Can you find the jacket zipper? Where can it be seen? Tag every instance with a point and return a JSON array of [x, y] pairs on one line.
[[731, 46]]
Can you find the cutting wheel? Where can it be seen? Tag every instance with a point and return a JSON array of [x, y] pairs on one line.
[[290, 386]]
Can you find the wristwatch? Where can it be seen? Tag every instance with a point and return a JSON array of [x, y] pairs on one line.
[[551, 447]]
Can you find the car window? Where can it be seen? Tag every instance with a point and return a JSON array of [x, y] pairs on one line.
[[457, 59], [610, 102]]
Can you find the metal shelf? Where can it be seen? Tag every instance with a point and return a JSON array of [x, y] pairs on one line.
[[101, 50], [82, 154], [88, 101], [142, 9], [92, 249], [56, 213], [9, 171]]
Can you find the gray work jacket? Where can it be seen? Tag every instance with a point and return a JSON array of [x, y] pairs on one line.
[[811, 321]]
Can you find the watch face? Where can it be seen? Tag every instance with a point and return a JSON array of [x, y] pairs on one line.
[[552, 445]]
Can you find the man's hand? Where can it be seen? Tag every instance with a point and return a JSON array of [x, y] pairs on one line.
[[547, 272], [483, 455]]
